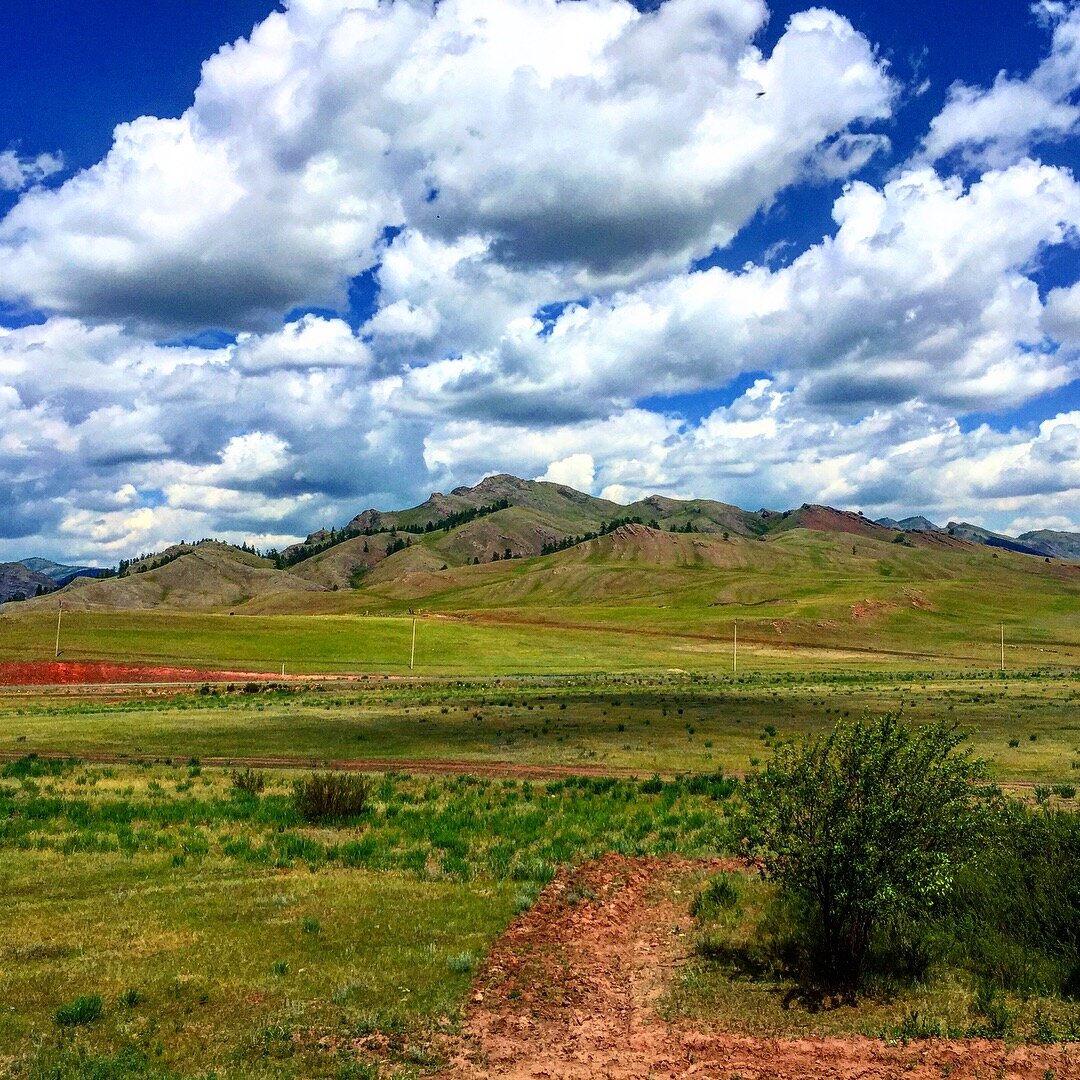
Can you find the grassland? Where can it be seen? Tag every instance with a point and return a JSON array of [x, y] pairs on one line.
[[222, 932], [1028, 728], [731, 982]]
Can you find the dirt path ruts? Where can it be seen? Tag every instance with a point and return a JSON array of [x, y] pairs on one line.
[[437, 766], [569, 992]]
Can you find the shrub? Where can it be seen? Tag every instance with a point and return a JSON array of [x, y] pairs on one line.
[[461, 964], [331, 796], [248, 781], [84, 1009], [719, 894], [1015, 915], [866, 824]]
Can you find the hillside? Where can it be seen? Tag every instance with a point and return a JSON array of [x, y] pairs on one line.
[[206, 576], [19, 582], [1058, 545], [516, 545]]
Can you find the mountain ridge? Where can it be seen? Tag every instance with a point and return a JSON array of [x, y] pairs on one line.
[[502, 517]]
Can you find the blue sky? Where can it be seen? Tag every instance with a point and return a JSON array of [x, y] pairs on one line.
[[762, 253]]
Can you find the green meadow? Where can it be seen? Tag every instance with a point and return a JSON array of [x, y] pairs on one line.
[[160, 921], [1027, 727]]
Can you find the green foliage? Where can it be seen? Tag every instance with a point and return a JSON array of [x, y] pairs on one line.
[[720, 894], [249, 781], [331, 796], [33, 766], [84, 1009], [1015, 916], [866, 824], [461, 963]]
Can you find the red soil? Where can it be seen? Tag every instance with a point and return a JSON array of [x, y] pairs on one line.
[[570, 992], [65, 672]]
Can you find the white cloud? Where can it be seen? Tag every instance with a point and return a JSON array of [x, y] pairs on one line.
[[17, 173], [922, 294], [588, 140], [996, 125], [527, 182], [576, 471]]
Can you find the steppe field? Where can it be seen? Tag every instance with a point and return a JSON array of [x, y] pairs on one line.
[[550, 795]]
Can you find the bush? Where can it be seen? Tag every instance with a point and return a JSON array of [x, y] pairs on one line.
[[860, 827], [84, 1009], [1014, 918], [331, 796], [248, 781], [721, 893]]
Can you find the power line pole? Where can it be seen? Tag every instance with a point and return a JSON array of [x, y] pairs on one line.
[[1002, 646], [412, 654], [735, 647], [59, 616]]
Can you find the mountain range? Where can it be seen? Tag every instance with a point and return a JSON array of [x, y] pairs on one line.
[[439, 545]]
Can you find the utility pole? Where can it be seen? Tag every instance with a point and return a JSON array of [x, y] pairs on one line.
[[1002, 646], [412, 654], [59, 616], [735, 647]]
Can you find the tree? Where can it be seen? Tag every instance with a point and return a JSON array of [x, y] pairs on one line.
[[866, 824]]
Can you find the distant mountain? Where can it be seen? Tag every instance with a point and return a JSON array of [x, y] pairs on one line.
[[977, 535], [437, 545], [911, 524], [1058, 545], [60, 573], [19, 582], [1045, 542]]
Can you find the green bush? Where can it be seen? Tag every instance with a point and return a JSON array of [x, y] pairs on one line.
[[862, 827], [720, 894], [331, 796], [248, 781], [84, 1009], [1014, 918]]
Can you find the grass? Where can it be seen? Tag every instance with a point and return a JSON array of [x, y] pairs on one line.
[[732, 982], [216, 930], [224, 975], [641, 723], [222, 931], [802, 600]]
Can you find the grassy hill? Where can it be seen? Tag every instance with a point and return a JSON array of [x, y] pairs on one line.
[[682, 571], [209, 575]]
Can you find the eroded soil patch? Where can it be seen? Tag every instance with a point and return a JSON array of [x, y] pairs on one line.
[[570, 992]]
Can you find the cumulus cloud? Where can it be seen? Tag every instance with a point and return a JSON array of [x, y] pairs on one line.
[[526, 185], [922, 294], [590, 140], [17, 173], [576, 471], [992, 126]]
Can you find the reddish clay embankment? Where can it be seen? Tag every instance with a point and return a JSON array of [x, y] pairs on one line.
[[570, 991], [101, 673]]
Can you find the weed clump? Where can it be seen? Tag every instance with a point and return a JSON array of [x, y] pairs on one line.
[[331, 796], [248, 781], [84, 1009]]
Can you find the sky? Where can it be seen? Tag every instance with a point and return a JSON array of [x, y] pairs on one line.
[[264, 266]]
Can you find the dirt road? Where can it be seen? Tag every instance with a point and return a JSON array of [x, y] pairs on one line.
[[570, 992]]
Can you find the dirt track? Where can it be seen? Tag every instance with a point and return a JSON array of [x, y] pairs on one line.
[[570, 992]]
